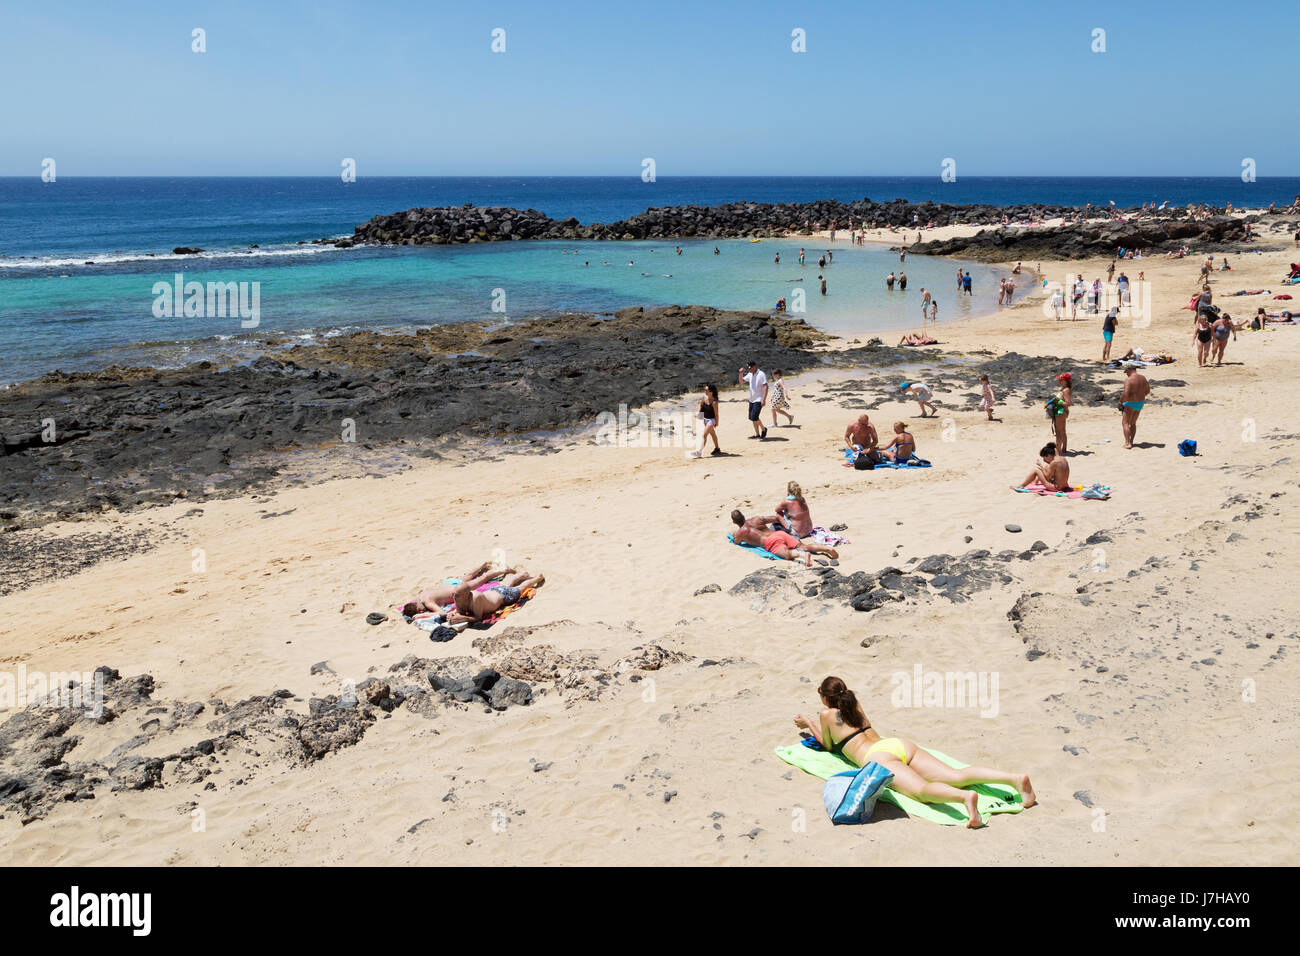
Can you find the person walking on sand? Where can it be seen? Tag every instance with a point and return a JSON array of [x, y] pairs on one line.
[[1136, 390], [1058, 303], [708, 417], [758, 532], [922, 394], [843, 729], [987, 401], [780, 398], [757, 383], [1108, 332], [1051, 471], [1202, 334], [1223, 327], [1058, 409]]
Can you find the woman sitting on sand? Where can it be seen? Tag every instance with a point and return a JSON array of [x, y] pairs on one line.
[[902, 447], [794, 511], [845, 731], [1051, 471]]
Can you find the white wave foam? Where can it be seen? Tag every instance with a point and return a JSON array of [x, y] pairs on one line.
[[51, 262]]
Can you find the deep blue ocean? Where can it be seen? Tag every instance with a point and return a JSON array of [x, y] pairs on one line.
[[57, 311]]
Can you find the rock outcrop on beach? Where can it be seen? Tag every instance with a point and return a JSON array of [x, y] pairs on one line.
[[460, 224], [122, 437], [1088, 239]]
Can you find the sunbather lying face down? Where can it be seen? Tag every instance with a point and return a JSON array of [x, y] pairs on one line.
[[440, 595], [843, 729], [473, 606], [1051, 471], [758, 532]]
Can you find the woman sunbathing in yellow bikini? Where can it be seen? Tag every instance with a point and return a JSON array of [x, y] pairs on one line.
[[844, 730]]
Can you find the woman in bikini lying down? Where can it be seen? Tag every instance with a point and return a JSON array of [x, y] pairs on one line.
[[844, 730]]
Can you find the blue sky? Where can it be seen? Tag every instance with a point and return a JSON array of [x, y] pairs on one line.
[[587, 88]]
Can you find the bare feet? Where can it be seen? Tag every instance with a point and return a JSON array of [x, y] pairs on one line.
[[1027, 792], [972, 810]]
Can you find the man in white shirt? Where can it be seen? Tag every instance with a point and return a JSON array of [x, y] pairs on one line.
[[757, 383]]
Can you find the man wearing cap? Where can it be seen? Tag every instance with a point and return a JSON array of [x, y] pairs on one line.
[[1108, 331], [1136, 390], [757, 383], [922, 395]]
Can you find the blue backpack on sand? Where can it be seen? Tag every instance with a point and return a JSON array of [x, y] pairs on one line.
[[850, 797], [1187, 448]]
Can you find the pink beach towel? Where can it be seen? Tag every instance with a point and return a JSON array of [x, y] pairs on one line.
[[1038, 488]]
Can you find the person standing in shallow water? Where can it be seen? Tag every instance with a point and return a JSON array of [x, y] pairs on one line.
[[902, 282], [843, 729]]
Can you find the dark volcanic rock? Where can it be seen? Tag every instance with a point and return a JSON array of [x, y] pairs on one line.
[[444, 225], [1089, 239], [150, 436]]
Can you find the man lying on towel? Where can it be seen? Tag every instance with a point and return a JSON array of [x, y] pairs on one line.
[[440, 595], [472, 606], [1051, 470], [758, 532]]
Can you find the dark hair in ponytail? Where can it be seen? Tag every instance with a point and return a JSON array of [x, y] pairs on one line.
[[844, 700]]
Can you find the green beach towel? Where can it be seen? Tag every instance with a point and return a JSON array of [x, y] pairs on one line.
[[993, 798]]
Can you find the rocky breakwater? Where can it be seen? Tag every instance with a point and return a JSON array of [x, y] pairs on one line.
[[462, 224], [1089, 239]]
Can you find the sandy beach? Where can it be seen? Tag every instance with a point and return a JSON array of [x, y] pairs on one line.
[[1143, 648]]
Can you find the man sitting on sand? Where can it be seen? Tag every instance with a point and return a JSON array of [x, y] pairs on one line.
[[1051, 471], [473, 606], [758, 532], [861, 434]]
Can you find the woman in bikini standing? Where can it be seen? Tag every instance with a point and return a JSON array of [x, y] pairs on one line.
[[1064, 399], [845, 731], [708, 414]]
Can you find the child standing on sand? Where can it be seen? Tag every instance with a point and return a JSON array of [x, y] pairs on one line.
[[780, 398], [987, 400]]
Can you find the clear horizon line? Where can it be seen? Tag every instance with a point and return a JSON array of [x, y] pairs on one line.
[[636, 176]]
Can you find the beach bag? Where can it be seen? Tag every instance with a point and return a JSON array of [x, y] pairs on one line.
[[864, 463], [1187, 448], [850, 797]]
